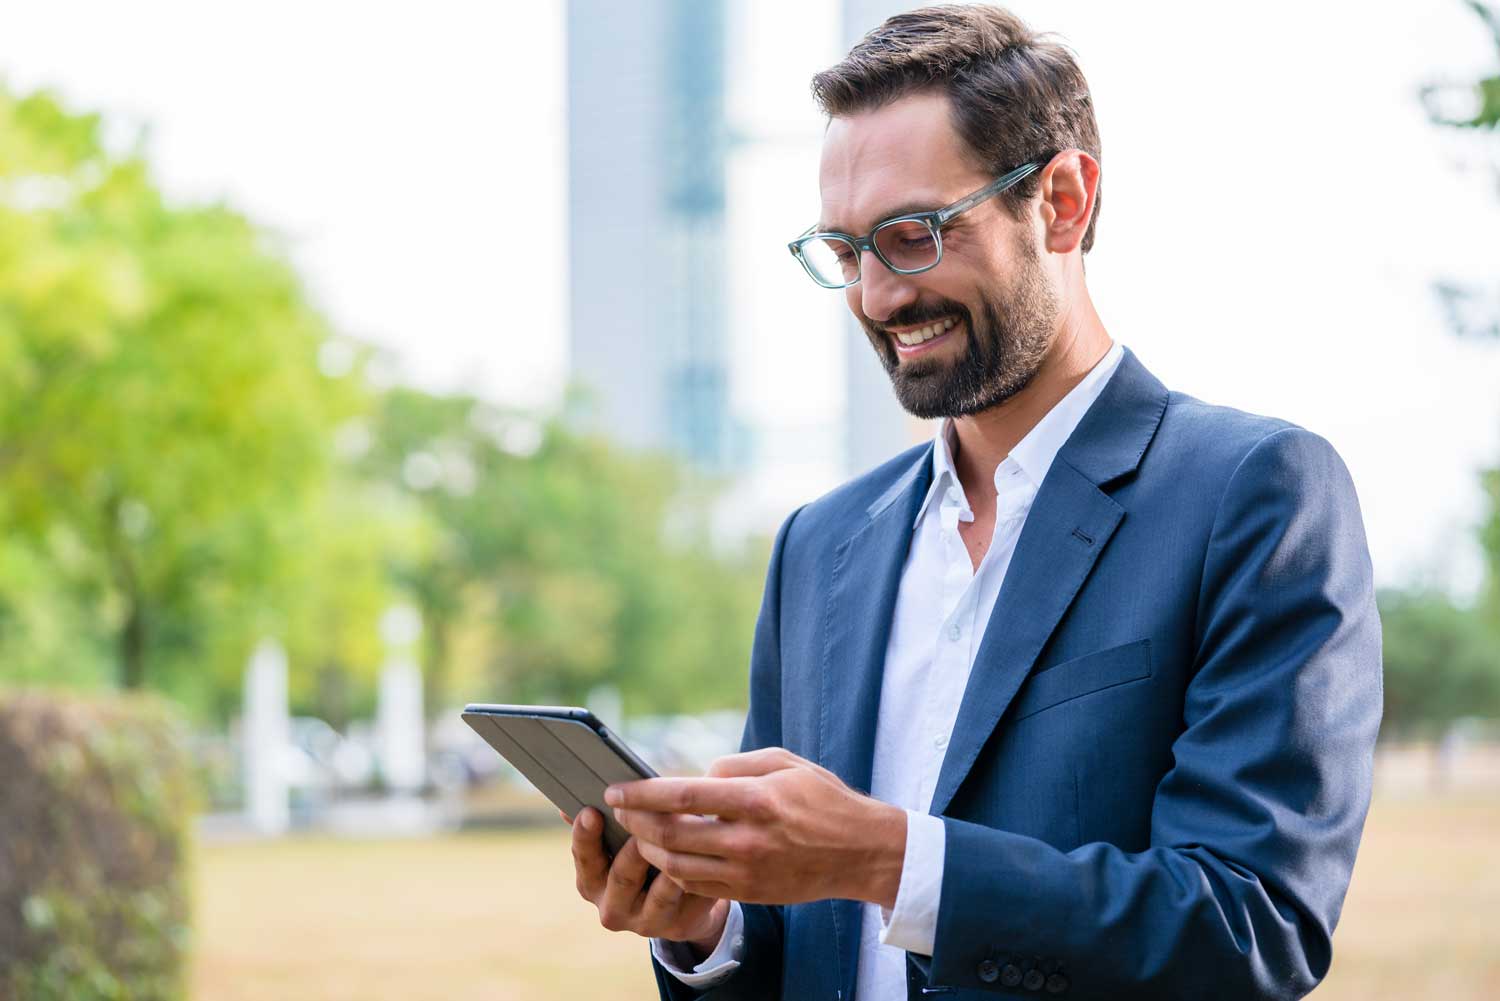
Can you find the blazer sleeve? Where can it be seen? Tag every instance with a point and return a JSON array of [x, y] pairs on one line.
[[758, 977], [1254, 828]]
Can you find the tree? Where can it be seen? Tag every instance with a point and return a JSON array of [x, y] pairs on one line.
[[1473, 107], [1441, 662], [190, 461], [163, 420], [1469, 106], [553, 562]]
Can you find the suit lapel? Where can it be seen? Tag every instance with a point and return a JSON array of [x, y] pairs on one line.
[[1070, 522], [862, 592]]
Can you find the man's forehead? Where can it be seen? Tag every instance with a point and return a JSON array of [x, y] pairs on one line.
[[903, 157]]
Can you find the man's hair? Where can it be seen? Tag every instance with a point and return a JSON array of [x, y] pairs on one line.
[[1016, 94]]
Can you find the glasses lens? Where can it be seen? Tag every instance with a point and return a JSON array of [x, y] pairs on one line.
[[907, 245], [833, 261]]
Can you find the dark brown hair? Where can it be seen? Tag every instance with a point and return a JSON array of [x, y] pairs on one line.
[[1017, 95]]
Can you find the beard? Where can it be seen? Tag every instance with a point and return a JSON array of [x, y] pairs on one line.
[[1002, 351]]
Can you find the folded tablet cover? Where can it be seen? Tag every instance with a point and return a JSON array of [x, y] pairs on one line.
[[565, 759]]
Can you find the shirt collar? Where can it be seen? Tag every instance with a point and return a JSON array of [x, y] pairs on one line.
[[1034, 453]]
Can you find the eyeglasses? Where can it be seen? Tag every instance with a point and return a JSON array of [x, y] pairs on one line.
[[907, 244]]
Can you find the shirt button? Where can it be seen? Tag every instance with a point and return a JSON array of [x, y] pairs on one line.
[[940, 742], [955, 631]]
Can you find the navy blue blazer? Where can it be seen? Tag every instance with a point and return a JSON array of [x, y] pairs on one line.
[[1162, 763]]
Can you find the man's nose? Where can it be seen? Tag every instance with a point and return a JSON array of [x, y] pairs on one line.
[[882, 291]]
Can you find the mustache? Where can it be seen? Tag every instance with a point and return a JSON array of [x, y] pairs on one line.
[[913, 316]]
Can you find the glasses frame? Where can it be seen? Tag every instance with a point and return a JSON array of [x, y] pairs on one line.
[[934, 220]]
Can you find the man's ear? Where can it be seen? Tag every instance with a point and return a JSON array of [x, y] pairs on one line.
[[1070, 185]]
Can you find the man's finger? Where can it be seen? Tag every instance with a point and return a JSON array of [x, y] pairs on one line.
[[767, 759], [734, 797], [685, 868], [663, 899], [683, 832], [589, 861], [622, 889]]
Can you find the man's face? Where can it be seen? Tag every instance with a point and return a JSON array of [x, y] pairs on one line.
[[907, 157]]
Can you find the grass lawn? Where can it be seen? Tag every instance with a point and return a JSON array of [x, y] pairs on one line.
[[1422, 919], [495, 916]]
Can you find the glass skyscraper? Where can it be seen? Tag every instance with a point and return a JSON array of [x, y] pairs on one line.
[[647, 145]]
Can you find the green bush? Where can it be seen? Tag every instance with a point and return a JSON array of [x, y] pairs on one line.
[[95, 805]]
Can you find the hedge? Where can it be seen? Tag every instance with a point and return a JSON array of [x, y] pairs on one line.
[[96, 800]]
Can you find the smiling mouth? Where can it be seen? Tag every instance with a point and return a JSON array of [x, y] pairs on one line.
[[924, 338]]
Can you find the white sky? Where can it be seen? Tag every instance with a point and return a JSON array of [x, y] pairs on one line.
[[1275, 206]]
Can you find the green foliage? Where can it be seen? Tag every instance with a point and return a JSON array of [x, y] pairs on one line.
[[163, 419], [191, 461], [94, 831], [1489, 540], [556, 563], [1484, 93], [336, 587], [1470, 311], [1442, 662], [1471, 106]]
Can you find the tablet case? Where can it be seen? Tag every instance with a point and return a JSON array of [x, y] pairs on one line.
[[566, 753]]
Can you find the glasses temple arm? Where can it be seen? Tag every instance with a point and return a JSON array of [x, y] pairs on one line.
[[988, 191]]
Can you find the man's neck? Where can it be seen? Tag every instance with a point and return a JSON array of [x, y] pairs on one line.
[[986, 438]]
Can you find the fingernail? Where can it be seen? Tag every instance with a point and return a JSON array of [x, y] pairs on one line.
[[587, 820], [618, 814], [613, 797]]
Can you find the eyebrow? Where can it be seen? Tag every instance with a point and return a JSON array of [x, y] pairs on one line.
[[905, 208]]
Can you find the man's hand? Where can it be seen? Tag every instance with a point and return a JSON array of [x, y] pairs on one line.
[[766, 827], [663, 911]]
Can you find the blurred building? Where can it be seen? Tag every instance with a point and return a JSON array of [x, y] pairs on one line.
[[647, 144], [668, 103]]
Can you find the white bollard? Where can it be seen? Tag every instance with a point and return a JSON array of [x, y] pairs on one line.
[[267, 734], [399, 722]]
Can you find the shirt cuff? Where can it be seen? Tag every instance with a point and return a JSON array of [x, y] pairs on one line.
[[912, 923], [718, 965]]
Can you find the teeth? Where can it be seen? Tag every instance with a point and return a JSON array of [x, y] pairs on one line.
[[926, 333]]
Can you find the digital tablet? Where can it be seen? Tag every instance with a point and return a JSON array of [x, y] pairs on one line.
[[566, 753]]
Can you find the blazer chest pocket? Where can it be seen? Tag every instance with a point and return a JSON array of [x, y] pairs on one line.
[[1093, 672]]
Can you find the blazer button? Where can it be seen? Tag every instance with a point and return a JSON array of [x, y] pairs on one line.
[[1033, 980], [1057, 983], [1011, 975], [988, 971]]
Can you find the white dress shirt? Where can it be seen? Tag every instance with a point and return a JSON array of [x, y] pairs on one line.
[[942, 607]]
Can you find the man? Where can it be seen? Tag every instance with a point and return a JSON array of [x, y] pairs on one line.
[[1105, 658]]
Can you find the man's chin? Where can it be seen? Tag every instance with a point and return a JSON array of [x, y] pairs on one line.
[[925, 395]]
